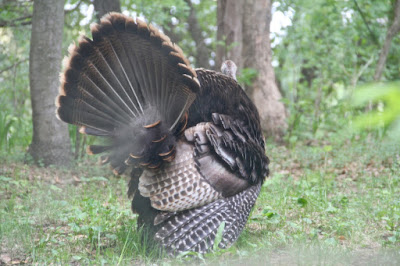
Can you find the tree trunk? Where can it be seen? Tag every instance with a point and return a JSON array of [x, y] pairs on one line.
[[202, 52], [393, 30], [229, 34], [257, 55], [103, 7], [50, 143]]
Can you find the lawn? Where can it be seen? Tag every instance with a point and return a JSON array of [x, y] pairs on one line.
[[330, 203]]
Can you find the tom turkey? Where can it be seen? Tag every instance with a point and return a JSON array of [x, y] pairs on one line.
[[192, 137]]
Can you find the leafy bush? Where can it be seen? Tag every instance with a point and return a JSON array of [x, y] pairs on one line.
[[15, 132], [384, 101]]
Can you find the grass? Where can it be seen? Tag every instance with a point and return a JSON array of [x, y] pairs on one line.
[[324, 204]]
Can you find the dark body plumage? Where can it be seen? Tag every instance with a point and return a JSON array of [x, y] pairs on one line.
[[193, 137]]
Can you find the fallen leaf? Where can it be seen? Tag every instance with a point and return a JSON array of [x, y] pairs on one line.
[[5, 258], [57, 180]]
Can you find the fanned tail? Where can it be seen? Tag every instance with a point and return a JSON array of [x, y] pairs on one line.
[[130, 84]]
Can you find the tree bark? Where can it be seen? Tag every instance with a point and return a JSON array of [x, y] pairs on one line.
[[50, 142], [393, 30], [229, 33], [202, 52], [103, 7], [257, 55]]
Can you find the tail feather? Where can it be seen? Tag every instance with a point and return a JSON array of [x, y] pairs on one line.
[[89, 96], [103, 64], [87, 85], [180, 229], [86, 115], [96, 149], [114, 51], [93, 131], [129, 76], [196, 229]]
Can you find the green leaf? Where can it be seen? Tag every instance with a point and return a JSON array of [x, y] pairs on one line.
[[247, 75], [302, 202], [218, 236], [327, 148], [385, 99]]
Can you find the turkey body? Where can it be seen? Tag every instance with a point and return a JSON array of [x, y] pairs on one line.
[[193, 137]]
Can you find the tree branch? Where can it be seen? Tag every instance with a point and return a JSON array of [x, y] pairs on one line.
[[66, 11], [27, 20], [373, 37], [358, 75], [15, 22], [13, 65], [392, 31]]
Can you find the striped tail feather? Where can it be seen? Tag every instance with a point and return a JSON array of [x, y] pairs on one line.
[[196, 229], [130, 83]]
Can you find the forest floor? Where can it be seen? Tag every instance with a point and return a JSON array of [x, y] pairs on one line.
[[324, 204]]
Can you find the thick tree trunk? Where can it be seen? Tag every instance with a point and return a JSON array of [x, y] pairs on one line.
[[202, 52], [393, 30], [257, 55], [50, 143], [103, 7], [229, 34]]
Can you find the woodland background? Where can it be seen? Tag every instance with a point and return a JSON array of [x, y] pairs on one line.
[[325, 80]]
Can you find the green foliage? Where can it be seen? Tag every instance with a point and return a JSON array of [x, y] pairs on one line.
[[386, 101], [15, 132], [5, 125], [66, 224], [15, 13], [247, 75], [15, 124], [323, 55], [218, 236]]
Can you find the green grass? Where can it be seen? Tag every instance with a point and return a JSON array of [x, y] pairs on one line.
[[324, 204]]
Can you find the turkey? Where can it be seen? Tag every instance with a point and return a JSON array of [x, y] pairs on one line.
[[190, 137]]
